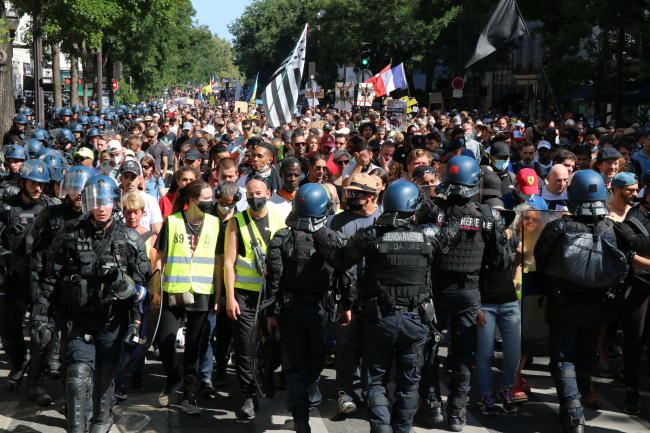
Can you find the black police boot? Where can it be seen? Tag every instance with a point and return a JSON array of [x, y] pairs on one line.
[[36, 393], [102, 411], [429, 413], [301, 423], [282, 382], [78, 381], [53, 359], [632, 403], [456, 418], [573, 425], [16, 374], [248, 409]]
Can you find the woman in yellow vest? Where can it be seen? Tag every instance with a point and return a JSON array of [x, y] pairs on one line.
[[186, 256], [243, 281]]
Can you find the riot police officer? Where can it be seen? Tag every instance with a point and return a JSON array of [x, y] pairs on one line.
[[16, 134], [14, 158], [395, 299], [456, 289], [299, 279], [66, 119], [95, 268], [65, 140], [17, 215], [45, 228], [577, 287], [78, 133]]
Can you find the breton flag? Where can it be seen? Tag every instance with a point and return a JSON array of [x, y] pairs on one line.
[[505, 25], [281, 94], [388, 80]]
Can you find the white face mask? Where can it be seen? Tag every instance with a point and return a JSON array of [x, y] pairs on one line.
[[225, 210], [115, 159]]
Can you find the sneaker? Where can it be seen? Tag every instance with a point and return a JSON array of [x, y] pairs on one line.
[[518, 395], [346, 404], [207, 390], [525, 386], [249, 408], [220, 378], [604, 371], [487, 406], [509, 405], [180, 338], [189, 405], [120, 394], [456, 419], [632, 403], [168, 393], [614, 350], [137, 383]]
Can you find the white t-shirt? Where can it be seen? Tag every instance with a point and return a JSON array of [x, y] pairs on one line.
[[282, 204], [347, 171], [152, 213]]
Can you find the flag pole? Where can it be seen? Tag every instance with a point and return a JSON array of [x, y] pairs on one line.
[[539, 59]]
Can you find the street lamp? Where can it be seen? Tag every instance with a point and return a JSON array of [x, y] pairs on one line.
[[12, 20]]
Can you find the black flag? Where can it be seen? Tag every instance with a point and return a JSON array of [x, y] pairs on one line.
[[505, 25]]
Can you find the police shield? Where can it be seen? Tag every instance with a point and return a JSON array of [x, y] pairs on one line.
[[151, 309], [264, 349], [534, 326]]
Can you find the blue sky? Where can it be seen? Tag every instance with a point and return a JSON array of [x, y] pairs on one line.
[[217, 14]]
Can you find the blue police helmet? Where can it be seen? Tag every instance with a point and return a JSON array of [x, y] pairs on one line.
[[86, 109], [136, 112], [102, 121], [108, 116], [54, 160], [64, 136], [77, 127], [56, 110], [35, 170], [76, 109], [41, 135], [44, 151], [101, 111], [123, 107], [138, 106], [129, 111], [401, 197], [587, 194], [76, 106], [33, 146], [461, 170], [100, 191], [17, 152], [74, 180], [119, 112], [58, 172], [66, 112], [312, 200], [93, 132], [83, 119], [93, 103], [20, 118], [26, 111], [94, 120]]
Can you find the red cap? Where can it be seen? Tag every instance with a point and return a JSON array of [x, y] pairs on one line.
[[527, 180], [327, 140]]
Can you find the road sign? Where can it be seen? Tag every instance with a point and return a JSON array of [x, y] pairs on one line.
[[458, 93], [115, 85], [458, 84]]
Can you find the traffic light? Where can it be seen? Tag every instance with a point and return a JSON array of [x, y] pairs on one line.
[[365, 53]]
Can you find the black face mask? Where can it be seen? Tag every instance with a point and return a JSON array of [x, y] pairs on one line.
[[257, 203], [353, 203], [205, 206]]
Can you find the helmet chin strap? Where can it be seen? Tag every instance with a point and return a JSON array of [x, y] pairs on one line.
[[100, 224]]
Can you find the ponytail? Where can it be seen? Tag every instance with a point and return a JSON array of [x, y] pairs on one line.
[[184, 194]]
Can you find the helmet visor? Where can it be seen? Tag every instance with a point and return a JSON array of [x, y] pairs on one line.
[[96, 197], [73, 182]]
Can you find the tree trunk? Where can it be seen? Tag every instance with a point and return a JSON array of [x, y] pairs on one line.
[[85, 79], [618, 90], [7, 105], [74, 77], [56, 73]]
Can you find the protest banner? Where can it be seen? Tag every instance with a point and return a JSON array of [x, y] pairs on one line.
[[241, 106], [396, 109], [366, 95], [344, 96]]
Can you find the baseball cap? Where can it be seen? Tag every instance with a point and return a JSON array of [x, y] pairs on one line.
[[512, 121], [499, 149], [327, 127], [519, 125], [624, 179], [132, 166], [545, 144], [187, 125], [607, 153], [449, 146], [343, 131], [232, 129], [209, 129], [129, 153], [114, 146], [84, 152], [602, 130], [192, 155], [516, 135], [492, 184], [374, 144], [314, 131], [363, 182], [528, 181], [328, 141], [286, 136], [497, 204], [457, 120], [565, 143], [156, 115]]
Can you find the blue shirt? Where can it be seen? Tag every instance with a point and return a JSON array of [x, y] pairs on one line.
[[510, 201], [153, 186], [642, 160]]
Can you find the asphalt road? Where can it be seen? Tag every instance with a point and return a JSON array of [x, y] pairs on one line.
[[140, 413]]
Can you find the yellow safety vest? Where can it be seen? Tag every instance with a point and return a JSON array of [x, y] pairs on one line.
[[184, 271], [246, 275]]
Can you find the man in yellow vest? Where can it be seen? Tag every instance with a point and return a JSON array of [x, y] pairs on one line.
[[255, 226]]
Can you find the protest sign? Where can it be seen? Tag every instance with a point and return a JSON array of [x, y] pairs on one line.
[[396, 109], [241, 106], [344, 96], [366, 95]]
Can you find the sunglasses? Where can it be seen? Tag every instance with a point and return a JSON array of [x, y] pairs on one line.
[[80, 159], [317, 168], [343, 162], [146, 167], [246, 129], [151, 136], [300, 143]]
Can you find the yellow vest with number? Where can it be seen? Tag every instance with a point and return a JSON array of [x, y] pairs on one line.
[[246, 275], [184, 271]]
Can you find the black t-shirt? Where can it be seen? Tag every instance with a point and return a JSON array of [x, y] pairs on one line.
[[193, 233], [221, 239], [180, 143], [501, 288]]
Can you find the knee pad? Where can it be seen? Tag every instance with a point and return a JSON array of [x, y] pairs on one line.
[[78, 378], [404, 362], [377, 401], [381, 429]]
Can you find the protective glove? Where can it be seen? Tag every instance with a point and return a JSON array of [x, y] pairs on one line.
[[456, 212], [41, 333], [321, 238], [624, 232], [133, 332], [20, 264]]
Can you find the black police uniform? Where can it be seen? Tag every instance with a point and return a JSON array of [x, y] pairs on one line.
[[576, 314], [47, 225], [80, 275], [9, 186], [457, 300], [396, 304], [14, 137], [299, 279], [16, 242]]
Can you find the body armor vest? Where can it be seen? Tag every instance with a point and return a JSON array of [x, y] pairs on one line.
[[641, 277], [399, 268], [304, 270]]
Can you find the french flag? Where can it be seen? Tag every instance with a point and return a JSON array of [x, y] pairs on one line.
[[388, 80]]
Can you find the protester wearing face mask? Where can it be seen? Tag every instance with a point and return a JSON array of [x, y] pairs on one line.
[[499, 163], [527, 188], [112, 166], [256, 225]]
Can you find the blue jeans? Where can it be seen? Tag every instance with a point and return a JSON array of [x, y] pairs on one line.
[[219, 326], [508, 317]]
